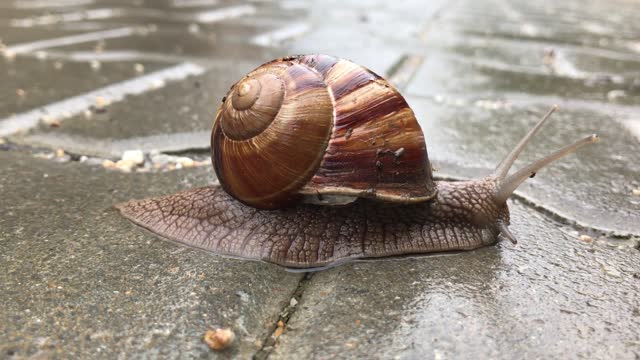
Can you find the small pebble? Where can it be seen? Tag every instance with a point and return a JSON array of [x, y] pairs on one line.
[[636, 192], [99, 47], [60, 153], [9, 55], [279, 329], [616, 95], [549, 56], [293, 302], [101, 102], [108, 164], [95, 65], [58, 65], [586, 238], [125, 165], [134, 156], [50, 120], [194, 28], [185, 162], [139, 68], [21, 93], [610, 271], [157, 84], [219, 339]]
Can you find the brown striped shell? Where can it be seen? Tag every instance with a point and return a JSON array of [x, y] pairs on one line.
[[316, 125]]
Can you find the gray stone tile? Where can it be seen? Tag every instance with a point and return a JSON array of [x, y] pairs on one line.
[[80, 281], [44, 81], [175, 117], [551, 296], [497, 47], [570, 22], [373, 35], [494, 66], [217, 41], [478, 91], [13, 35]]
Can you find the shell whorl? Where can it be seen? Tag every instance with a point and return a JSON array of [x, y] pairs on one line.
[[314, 125], [270, 133], [253, 106]]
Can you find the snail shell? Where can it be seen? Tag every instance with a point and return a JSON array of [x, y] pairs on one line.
[[315, 125]]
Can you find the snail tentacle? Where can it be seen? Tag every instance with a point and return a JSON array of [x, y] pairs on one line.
[[511, 183], [504, 231], [503, 168]]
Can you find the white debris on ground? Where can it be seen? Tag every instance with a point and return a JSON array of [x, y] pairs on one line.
[[137, 160]]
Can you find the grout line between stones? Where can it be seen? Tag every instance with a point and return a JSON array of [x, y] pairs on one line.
[[148, 162], [557, 216], [271, 341]]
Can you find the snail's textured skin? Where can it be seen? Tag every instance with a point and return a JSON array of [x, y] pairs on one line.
[[323, 130], [463, 216]]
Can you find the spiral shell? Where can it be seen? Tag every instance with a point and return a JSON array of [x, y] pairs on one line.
[[317, 125]]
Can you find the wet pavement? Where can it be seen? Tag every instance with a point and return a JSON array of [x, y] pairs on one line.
[[84, 81]]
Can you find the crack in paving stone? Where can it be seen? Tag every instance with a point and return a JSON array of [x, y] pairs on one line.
[[403, 71], [271, 341], [196, 141]]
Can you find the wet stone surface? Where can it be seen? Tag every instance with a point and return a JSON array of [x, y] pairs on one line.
[[48, 81], [547, 297], [82, 282], [188, 105]]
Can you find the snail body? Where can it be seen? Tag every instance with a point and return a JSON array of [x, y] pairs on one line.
[[320, 161]]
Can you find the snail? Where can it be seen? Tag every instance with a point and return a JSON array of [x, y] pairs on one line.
[[319, 161]]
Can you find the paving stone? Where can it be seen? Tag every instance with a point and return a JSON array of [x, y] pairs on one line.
[[80, 281], [374, 35], [570, 22], [12, 35], [44, 81], [550, 296], [225, 41], [477, 95], [181, 118]]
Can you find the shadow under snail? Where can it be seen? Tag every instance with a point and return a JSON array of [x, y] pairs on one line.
[[319, 161]]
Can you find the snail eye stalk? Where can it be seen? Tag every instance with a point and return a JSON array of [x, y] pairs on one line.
[[509, 183], [502, 169]]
